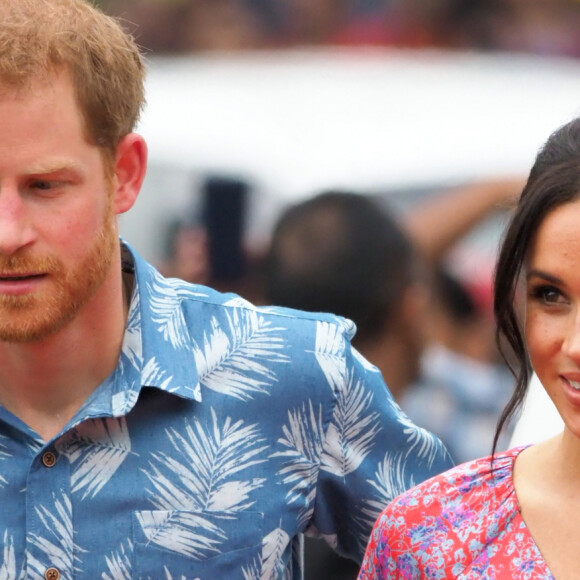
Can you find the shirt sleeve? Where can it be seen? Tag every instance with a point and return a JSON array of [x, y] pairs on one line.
[[372, 453]]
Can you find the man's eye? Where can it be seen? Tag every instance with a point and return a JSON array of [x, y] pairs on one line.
[[43, 185]]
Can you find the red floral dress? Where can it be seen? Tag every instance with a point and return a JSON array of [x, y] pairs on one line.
[[464, 524]]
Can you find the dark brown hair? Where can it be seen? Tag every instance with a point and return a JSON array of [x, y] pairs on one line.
[[554, 180]]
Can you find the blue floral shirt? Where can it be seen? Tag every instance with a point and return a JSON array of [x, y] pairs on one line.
[[225, 432]]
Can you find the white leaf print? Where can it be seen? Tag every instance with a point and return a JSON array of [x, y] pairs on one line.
[[239, 302], [221, 498], [329, 349], [34, 445], [253, 571], [186, 533], [123, 401], [351, 432], [56, 538], [119, 563], [153, 374], [8, 567], [237, 362], [166, 311], [421, 444], [303, 442], [96, 449], [273, 547], [390, 480], [218, 452]]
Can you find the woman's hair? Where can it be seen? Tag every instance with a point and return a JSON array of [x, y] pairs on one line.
[[39, 38], [553, 181]]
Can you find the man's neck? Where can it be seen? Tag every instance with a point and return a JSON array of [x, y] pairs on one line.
[[44, 383]]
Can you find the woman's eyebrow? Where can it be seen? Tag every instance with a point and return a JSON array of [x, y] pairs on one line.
[[544, 275]]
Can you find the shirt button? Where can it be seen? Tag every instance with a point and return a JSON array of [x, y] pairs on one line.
[[51, 574], [49, 460]]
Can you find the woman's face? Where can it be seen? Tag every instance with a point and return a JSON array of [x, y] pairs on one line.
[[552, 316]]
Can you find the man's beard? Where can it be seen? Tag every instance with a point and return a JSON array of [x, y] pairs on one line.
[[34, 317]]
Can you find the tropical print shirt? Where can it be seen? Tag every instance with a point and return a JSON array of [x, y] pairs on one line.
[[223, 434], [464, 524]]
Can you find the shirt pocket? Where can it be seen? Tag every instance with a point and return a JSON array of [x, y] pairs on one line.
[[191, 545]]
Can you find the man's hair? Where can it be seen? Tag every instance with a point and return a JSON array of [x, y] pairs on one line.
[[340, 252], [39, 38]]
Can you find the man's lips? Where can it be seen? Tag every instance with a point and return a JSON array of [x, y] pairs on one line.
[[18, 277], [16, 284]]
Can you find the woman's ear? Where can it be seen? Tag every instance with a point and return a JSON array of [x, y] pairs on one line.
[[130, 167]]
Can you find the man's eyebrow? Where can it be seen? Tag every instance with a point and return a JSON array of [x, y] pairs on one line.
[[544, 275], [57, 166]]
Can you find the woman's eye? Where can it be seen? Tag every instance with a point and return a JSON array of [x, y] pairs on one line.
[[548, 295], [551, 295]]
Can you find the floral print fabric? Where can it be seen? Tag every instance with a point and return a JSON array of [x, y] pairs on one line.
[[464, 524]]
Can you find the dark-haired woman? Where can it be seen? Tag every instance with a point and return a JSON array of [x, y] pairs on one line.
[[515, 514]]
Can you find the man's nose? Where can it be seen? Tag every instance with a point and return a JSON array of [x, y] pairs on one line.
[[15, 229]]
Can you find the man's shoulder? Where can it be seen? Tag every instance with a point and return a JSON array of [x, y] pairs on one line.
[[203, 299], [196, 298]]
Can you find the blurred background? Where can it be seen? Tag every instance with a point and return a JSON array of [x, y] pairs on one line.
[[385, 97], [178, 26], [432, 109]]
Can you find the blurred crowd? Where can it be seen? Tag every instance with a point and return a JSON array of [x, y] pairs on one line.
[[182, 26]]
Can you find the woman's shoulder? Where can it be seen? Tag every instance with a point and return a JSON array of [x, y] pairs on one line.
[[448, 520], [487, 481]]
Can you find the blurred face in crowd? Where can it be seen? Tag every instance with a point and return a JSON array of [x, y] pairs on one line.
[[57, 228], [315, 21], [552, 318]]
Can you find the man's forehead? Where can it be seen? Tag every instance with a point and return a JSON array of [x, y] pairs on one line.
[[36, 81]]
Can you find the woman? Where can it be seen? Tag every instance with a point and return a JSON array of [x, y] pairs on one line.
[[515, 514]]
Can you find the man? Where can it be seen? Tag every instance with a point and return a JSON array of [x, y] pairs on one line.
[[150, 428]]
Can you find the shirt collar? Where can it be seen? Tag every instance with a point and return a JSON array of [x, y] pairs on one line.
[[157, 344]]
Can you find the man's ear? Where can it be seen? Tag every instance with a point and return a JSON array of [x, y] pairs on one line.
[[130, 167]]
